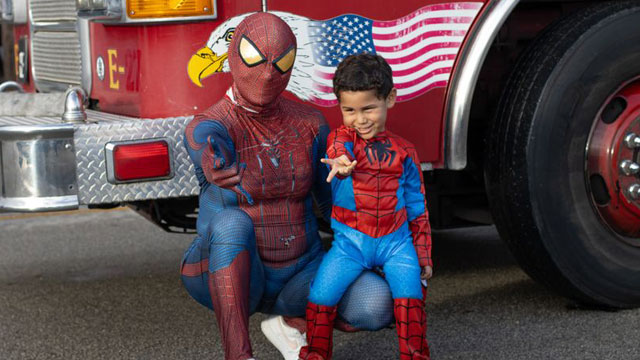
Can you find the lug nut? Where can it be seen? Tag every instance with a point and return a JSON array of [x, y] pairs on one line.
[[634, 191], [632, 141], [629, 168]]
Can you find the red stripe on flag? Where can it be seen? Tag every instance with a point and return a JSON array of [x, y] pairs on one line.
[[418, 39], [430, 61], [323, 102], [322, 88], [409, 96], [323, 75], [406, 31], [420, 52], [422, 78], [429, 8]]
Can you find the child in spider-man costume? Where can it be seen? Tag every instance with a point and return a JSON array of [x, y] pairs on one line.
[[379, 214], [256, 156]]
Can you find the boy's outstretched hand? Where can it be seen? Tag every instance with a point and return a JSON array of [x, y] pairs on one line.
[[427, 273], [340, 165]]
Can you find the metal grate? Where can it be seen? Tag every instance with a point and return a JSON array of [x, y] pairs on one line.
[[52, 10], [56, 57]]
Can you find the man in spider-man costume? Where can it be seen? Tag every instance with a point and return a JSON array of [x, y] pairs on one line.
[[379, 214], [256, 156]]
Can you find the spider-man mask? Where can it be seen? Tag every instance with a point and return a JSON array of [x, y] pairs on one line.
[[261, 56]]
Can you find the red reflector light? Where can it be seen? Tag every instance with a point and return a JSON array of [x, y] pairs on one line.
[[141, 161]]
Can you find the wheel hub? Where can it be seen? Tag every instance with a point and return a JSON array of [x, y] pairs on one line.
[[613, 162]]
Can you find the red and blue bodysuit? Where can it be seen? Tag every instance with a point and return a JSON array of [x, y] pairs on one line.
[[256, 156], [379, 219]]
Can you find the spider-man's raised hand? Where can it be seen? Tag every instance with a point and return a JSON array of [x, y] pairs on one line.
[[228, 177]]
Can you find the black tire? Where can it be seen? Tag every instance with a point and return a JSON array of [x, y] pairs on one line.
[[535, 156]]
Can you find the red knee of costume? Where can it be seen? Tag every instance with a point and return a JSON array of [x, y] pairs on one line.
[[411, 325], [320, 320]]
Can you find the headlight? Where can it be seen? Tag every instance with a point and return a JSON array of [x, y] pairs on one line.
[[110, 10], [83, 5], [98, 4]]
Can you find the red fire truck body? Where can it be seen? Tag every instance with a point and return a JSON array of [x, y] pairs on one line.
[[524, 110], [154, 84]]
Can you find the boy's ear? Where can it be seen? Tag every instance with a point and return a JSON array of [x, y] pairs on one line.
[[391, 98]]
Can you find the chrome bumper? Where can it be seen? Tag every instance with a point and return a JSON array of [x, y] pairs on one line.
[[46, 165]]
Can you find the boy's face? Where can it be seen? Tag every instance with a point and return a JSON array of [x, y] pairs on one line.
[[365, 112]]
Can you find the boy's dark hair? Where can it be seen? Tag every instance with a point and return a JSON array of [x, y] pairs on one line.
[[362, 72]]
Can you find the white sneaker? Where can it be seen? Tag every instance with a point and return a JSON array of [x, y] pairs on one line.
[[288, 340]]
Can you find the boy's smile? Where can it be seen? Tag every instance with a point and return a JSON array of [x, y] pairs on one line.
[[364, 112]]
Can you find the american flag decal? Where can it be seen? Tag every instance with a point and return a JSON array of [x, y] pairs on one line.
[[420, 47]]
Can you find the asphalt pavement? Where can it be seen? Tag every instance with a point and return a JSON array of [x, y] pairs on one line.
[[96, 284]]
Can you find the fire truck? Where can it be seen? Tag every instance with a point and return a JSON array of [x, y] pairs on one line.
[[525, 114]]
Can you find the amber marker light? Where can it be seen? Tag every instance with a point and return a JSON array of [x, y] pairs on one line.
[[137, 9]]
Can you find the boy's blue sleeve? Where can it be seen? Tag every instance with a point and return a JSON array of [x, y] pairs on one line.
[[416, 207]]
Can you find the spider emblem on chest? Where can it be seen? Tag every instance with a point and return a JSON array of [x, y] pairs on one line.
[[380, 151], [272, 147]]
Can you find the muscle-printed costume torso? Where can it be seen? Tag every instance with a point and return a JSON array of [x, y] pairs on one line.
[[257, 159], [278, 159], [385, 190]]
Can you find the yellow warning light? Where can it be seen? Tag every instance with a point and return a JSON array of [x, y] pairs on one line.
[[137, 9]]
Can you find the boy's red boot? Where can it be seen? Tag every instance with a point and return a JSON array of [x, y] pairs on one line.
[[411, 325], [319, 332]]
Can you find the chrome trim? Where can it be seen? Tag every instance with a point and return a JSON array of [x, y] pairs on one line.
[[632, 141], [28, 120], [25, 132], [264, 5], [74, 106], [464, 78], [85, 56], [62, 26], [38, 168], [6, 7], [49, 86], [629, 168], [8, 84], [19, 11], [108, 157], [40, 204]]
